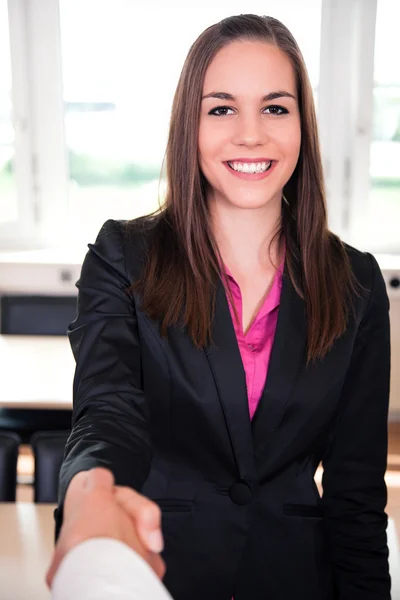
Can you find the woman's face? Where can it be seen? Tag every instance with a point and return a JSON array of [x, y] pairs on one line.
[[249, 137]]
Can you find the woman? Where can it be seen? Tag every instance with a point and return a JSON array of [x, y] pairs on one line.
[[229, 344]]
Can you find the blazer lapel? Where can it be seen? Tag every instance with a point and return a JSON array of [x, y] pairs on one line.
[[227, 367], [287, 358]]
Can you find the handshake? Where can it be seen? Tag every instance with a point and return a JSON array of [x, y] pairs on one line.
[[96, 508]]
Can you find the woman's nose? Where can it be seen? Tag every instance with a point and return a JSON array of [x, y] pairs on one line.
[[250, 132]]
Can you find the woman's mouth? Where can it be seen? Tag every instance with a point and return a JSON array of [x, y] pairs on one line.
[[251, 170]]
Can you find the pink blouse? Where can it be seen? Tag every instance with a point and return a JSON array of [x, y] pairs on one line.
[[256, 344]]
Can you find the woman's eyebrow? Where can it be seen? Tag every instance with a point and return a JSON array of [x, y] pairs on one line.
[[267, 98]]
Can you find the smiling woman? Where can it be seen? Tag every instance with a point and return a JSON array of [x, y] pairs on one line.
[[230, 343]]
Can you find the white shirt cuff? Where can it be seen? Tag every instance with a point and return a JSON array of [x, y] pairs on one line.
[[106, 569]]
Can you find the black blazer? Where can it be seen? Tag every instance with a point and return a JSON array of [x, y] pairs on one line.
[[241, 512]]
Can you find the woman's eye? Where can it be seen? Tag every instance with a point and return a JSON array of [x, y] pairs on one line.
[[220, 111], [277, 110]]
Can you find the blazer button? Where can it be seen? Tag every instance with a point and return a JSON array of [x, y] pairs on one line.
[[240, 493]]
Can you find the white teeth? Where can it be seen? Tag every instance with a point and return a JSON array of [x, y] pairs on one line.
[[250, 167]]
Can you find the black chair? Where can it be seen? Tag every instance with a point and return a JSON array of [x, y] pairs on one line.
[[26, 421], [9, 445], [35, 315], [48, 449]]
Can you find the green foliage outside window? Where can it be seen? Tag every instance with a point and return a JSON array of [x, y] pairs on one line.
[[86, 170]]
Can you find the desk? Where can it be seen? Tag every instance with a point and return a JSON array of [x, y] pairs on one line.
[[26, 545], [36, 372]]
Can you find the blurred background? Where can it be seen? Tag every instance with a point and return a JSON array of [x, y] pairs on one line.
[[86, 88]]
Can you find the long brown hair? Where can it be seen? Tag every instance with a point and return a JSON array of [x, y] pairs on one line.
[[178, 283]]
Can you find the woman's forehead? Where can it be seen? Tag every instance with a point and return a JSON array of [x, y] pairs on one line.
[[245, 67]]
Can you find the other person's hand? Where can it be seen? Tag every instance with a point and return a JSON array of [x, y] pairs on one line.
[[95, 507]]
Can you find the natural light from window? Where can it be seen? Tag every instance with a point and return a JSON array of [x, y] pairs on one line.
[[384, 204], [121, 63], [8, 194]]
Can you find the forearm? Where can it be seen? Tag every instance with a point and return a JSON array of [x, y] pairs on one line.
[[101, 441]]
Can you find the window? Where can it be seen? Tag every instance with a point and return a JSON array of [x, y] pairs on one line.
[[121, 63], [83, 127], [384, 198], [8, 191]]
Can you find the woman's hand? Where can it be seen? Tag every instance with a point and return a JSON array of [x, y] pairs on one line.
[[95, 507]]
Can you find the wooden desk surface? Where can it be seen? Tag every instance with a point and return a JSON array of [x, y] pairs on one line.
[[27, 541], [26, 545], [36, 372]]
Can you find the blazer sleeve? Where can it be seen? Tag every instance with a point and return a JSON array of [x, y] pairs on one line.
[[354, 489], [110, 419]]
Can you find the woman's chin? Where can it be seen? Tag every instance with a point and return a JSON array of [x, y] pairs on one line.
[[252, 203]]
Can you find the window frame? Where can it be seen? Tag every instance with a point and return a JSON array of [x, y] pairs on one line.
[[40, 165], [24, 226]]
